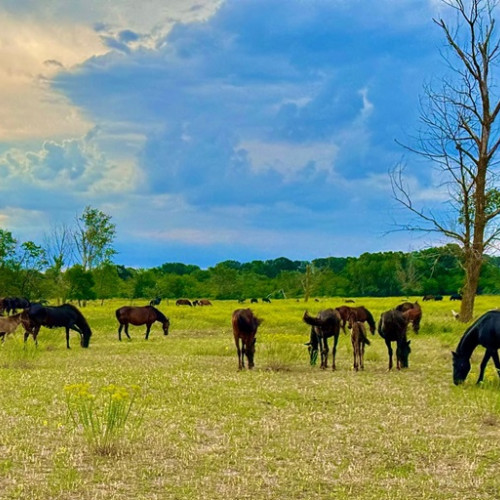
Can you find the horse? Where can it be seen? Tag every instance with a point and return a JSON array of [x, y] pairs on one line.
[[455, 296], [12, 304], [204, 302], [412, 313], [392, 328], [155, 302], [325, 325], [484, 331], [145, 315], [362, 314], [9, 324], [66, 315], [358, 340], [266, 299], [183, 302], [245, 325]]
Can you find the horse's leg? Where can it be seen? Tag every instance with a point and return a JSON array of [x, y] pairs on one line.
[[355, 359], [126, 331], [484, 362], [334, 350], [324, 352], [120, 328], [67, 338], [389, 350], [148, 329], [240, 353]]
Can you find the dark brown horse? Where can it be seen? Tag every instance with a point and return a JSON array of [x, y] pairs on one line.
[[358, 340], [245, 325], [183, 302], [325, 325], [412, 313], [392, 328], [145, 315], [362, 314]]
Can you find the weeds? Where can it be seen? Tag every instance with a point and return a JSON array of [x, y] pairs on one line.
[[102, 415]]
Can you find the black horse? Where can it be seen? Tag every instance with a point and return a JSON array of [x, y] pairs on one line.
[[67, 316], [392, 328], [486, 332], [12, 304], [325, 325]]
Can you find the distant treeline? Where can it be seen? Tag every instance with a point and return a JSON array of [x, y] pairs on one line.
[[430, 271]]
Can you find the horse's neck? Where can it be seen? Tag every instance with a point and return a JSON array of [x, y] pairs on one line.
[[469, 342]]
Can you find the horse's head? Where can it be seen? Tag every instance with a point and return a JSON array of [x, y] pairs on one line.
[[461, 368], [85, 337], [166, 326], [403, 352]]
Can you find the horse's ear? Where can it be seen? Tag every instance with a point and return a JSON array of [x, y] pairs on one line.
[[409, 342]]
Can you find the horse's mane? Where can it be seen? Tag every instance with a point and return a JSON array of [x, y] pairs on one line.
[[471, 328], [82, 322], [161, 317]]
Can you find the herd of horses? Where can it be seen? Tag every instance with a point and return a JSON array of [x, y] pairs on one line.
[[392, 327]]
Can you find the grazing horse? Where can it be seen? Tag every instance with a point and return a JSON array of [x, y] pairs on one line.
[[455, 296], [145, 315], [183, 302], [362, 314], [392, 328], [9, 324], [12, 304], [155, 302], [204, 302], [245, 325], [325, 325], [67, 316], [412, 313], [358, 340], [484, 331]]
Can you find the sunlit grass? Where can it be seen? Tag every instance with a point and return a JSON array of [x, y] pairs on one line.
[[283, 430]]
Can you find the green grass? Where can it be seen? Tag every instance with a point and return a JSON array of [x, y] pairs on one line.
[[284, 430]]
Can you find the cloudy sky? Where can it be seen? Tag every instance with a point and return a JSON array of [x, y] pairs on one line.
[[215, 129]]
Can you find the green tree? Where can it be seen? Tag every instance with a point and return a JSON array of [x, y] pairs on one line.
[[94, 237], [81, 284]]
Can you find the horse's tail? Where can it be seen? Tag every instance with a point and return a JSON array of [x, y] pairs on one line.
[[310, 320], [370, 321]]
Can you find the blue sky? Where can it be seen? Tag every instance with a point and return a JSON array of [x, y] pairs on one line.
[[214, 130]]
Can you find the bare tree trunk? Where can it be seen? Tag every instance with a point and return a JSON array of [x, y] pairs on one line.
[[472, 272]]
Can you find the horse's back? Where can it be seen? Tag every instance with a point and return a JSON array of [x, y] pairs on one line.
[[489, 329], [136, 315]]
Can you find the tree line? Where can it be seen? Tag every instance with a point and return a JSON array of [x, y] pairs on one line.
[[76, 263]]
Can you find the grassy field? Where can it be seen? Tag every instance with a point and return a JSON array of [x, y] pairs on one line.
[[203, 430]]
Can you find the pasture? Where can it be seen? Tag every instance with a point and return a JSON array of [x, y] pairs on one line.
[[286, 430]]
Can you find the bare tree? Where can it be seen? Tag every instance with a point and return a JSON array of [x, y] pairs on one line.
[[460, 136]]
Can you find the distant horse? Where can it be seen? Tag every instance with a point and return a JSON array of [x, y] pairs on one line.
[[245, 325], [358, 340], [67, 316], [427, 297], [362, 314], [484, 331], [204, 302], [412, 313], [325, 325], [392, 328], [12, 304], [455, 296], [9, 324], [183, 302], [266, 299], [136, 316], [254, 301], [155, 302]]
